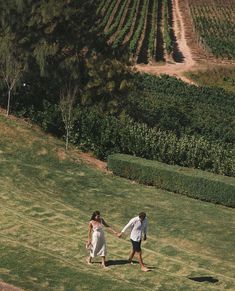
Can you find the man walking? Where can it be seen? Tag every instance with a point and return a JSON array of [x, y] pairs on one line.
[[138, 227]]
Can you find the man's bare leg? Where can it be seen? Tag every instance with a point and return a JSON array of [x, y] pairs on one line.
[[131, 256], [142, 266]]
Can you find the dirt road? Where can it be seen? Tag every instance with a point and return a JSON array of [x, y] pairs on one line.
[[172, 68]]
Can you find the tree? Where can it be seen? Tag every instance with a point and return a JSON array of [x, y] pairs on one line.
[[12, 64], [108, 82], [67, 102]]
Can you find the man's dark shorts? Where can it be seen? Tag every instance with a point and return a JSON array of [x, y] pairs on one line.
[[136, 246]]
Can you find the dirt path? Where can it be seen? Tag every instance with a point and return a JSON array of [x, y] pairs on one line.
[[88, 159], [172, 68]]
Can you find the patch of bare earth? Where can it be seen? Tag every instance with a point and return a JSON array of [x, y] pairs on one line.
[[195, 57], [88, 159], [7, 287]]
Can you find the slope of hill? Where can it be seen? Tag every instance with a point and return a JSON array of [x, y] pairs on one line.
[[47, 197]]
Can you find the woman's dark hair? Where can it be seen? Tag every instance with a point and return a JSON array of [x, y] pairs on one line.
[[94, 215]]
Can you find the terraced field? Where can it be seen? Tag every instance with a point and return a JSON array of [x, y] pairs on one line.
[[46, 198]]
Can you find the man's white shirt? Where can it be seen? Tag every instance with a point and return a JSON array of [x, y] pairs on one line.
[[137, 228]]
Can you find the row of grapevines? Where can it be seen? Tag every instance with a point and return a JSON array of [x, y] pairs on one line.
[[101, 6], [117, 43], [136, 36], [108, 14], [167, 28], [152, 35], [115, 24], [215, 25]]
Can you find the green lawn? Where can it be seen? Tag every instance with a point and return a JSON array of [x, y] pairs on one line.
[[217, 76], [47, 197]]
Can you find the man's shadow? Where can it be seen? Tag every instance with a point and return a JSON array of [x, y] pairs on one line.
[[119, 262], [124, 262]]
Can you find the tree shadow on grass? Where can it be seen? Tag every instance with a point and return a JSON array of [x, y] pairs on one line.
[[204, 279]]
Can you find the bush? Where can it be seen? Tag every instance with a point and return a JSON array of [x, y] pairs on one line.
[[193, 183], [107, 134], [170, 104]]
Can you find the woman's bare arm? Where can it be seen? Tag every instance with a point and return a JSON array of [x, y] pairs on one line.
[[107, 225], [89, 233]]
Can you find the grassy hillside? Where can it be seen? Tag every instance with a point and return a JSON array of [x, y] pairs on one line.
[[220, 77], [46, 198]]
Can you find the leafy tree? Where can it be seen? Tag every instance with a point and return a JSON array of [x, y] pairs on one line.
[[67, 101], [108, 81], [12, 64]]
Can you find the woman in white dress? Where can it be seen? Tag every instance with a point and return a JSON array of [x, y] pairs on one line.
[[96, 238]]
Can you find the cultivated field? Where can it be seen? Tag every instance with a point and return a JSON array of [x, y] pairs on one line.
[[46, 198], [152, 30], [214, 22]]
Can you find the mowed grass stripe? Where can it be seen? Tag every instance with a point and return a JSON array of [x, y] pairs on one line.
[[161, 273], [37, 262]]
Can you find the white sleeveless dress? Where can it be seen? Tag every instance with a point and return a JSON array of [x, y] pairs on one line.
[[98, 241]]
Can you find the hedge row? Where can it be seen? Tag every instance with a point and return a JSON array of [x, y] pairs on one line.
[[193, 183]]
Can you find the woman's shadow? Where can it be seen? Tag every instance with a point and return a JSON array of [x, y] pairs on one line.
[[123, 262]]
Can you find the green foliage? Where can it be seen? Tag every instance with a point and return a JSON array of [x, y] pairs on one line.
[[119, 40], [12, 62], [108, 134], [167, 28], [48, 33], [193, 183], [143, 14], [115, 24], [49, 118], [107, 83], [170, 104], [214, 23]]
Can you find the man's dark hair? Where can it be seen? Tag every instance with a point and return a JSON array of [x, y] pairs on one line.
[[142, 215]]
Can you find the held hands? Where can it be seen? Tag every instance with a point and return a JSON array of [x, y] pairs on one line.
[[118, 234]]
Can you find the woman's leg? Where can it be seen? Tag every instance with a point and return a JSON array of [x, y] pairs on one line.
[[88, 259], [103, 262]]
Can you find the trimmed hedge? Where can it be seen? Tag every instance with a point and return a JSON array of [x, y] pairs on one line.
[[193, 183]]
